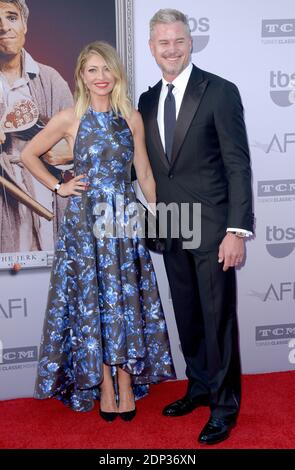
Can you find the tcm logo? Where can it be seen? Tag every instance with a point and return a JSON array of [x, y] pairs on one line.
[[278, 28], [282, 88], [270, 332], [280, 242], [201, 25], [273, 188], [18, 355]]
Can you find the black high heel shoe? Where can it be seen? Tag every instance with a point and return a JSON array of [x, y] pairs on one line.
[[128, 415], [108, 415]]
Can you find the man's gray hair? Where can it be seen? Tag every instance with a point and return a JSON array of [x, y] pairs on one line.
[[21, 5], [168, 16]]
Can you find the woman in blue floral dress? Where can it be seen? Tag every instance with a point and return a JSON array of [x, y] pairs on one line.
[[104, 332]]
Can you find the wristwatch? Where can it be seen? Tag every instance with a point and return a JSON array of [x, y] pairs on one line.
[[239, 234], [57, 186]]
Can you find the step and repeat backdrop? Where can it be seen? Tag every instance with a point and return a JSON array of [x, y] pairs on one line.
[[251, 44]]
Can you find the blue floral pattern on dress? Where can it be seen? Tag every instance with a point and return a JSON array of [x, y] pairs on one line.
[[103, 302]]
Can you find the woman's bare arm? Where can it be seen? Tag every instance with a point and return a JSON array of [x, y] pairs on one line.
[[63, 125], [141, 161]]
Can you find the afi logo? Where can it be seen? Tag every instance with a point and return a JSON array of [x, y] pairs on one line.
[[281, 144], [282, 87], [201, 25], [278, 28], [284, 291], [13, 308], [280, 242]]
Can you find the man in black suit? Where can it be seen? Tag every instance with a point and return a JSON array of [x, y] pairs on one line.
[[197, 145]]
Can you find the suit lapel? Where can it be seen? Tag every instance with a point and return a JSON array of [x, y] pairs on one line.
[[155, 134], [191, 100]]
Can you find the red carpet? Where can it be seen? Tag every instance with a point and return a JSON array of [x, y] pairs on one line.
[[267, 420]]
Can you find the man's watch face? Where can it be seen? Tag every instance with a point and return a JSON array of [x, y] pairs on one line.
[[240, 234]]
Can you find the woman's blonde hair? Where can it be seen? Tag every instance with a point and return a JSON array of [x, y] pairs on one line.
[[119, 100]]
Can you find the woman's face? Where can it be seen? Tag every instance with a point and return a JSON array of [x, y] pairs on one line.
[[97, 76]]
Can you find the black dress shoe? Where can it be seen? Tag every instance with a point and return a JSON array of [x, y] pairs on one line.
[[108, 415], [128, 415], [216, 430], [184, 406]]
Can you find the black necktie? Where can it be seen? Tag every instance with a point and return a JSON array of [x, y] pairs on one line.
[[169, 120]]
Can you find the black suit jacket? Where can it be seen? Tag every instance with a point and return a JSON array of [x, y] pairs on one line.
[[210, 157]]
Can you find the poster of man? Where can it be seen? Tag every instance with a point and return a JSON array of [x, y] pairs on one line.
[[31, 92]]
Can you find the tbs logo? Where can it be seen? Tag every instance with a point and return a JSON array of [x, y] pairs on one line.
[[282, 88], [201, 25], [280, 242]]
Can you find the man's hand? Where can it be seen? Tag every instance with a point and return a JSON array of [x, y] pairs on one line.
[[231, 251]]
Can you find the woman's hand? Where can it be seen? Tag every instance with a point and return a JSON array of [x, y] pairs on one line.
[[73, 187]]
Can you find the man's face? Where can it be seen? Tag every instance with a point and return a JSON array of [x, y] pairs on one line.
[[171, 46], [12, 30]]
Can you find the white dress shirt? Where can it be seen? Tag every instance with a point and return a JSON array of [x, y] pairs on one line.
[[180, 84]]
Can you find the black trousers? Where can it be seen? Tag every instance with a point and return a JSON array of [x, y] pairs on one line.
[[204, 301]]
